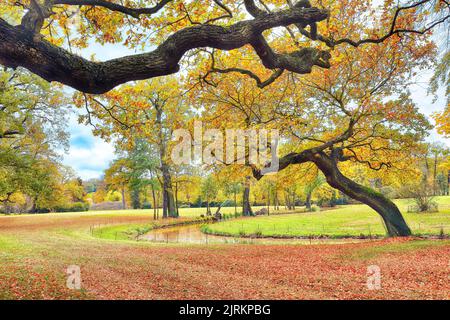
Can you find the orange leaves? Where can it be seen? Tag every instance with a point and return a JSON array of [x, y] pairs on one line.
[[443, 121], [411, 269]]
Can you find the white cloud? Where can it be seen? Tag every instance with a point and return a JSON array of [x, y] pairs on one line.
[[426, 103], [88, 155]]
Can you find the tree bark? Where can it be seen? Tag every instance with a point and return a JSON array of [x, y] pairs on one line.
[[448, 183], [308, 201], [435, 175], [208, 208], [124, 203], [246, 207], [277, 203], [169, 209], [176, 199], [293, 199], [154, 203], [393, 219], [158, 197], [169, 205], [20, 47]]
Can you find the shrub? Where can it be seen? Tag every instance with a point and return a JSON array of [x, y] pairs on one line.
[[258, 234], [423, 198], [315, 208], [227, 204], [73, 207], [147, 205], [442, 233]]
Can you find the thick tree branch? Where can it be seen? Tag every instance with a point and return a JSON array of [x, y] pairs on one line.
[[309, 155], [134, 12], [9, 134], [17, 48]]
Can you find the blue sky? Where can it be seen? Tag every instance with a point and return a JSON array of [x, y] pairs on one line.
[[89, 156]]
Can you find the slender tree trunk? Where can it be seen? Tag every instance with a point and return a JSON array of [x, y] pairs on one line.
[[293, 200], [308, 201], [235, 203], [268, 202], [176, 199], [427, 170], [154, 204], [208, 208], [158, 204], [34, 206], [287, 205], [435, 175], [124, 203], [246, 207], [277, 203], [393, 219], [448, 183]]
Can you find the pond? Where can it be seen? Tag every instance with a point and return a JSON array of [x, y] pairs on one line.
[[193, 235]]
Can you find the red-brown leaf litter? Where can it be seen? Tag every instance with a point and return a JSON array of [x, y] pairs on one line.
[[36, 251]]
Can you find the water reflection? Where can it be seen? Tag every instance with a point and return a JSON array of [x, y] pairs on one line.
[[185, 234], [192, 234]]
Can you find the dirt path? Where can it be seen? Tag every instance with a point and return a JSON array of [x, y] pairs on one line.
[[36, 251]]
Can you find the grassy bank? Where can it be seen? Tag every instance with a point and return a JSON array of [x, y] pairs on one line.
[[133, 231], [348, 221]]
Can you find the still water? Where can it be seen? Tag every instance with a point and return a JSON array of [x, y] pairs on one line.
[[192, 234]]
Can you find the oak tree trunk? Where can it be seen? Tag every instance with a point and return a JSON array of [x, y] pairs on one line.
[[393, 219], [246, 207], [169, 207]]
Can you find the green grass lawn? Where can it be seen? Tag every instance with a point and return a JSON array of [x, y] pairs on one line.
[[353, 220]]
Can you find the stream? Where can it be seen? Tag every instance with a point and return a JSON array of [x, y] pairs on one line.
[[192, 234]]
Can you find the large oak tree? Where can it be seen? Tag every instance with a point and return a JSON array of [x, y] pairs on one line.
[[281, 36]]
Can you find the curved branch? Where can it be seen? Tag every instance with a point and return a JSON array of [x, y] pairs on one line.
[[134, 12], [17, 48], [253, 9], [331, 43], [260, 83], [393, 30], [308, 155], [8, 134], [390, 34]]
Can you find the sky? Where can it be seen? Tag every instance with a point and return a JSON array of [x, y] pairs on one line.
[[89, 156]]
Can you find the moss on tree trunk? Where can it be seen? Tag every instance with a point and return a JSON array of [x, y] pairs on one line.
[[395, 223]]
